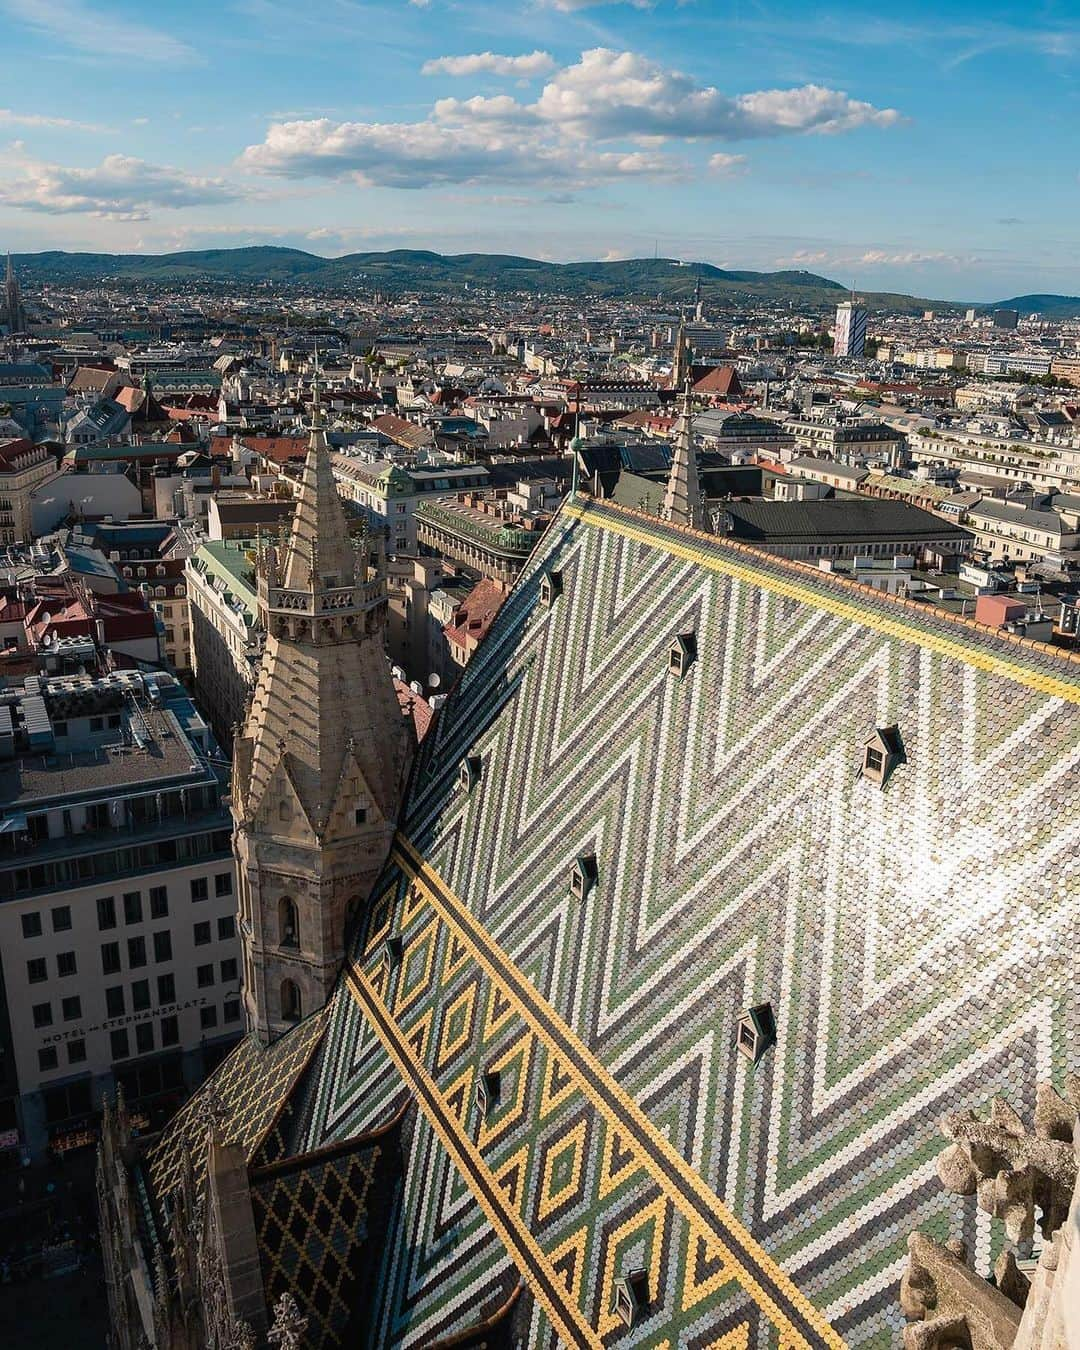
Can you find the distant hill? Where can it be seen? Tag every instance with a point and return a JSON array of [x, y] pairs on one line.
[[414, 269], [1049, 306]]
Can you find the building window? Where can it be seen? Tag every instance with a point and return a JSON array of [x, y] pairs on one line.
[[223, 883], [199, 888], [114, 1000], [140, 995], [43, 1014], [136, 952], [31, 925], [551, 586], [46, 1058], [204, 976], [583, 876], [106, 913], [144, 1038], [488, 1091], [288, 923], [232, 1010], [76, 1051], [118, 1044], [755, 1032], [61, 919], [631, 1297], [72, 1008], [132, 907], [170, 1031], [163, 946], [207, 1018], [682, 653], [65, 964], [469, 772], [360, 815], [228, 970], [166, 988], [159, 902], [226, 927], [110, 958], [202, 934], [290, 1001], [881, 753]]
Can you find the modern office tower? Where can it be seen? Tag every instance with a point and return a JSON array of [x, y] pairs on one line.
[[1006, 318], [850, 336]]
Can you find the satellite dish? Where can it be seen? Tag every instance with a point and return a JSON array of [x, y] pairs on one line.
[[434, 680], [46, 618]]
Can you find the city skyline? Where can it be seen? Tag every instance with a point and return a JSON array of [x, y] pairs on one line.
[[900, 155]]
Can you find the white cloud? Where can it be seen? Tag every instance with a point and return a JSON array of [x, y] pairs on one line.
[[874, 257], [489, 63], [119, 188], [880, 258], [427, 154], [75, 24], [613, 99], [9, 118], [609, 93], [571, 6], [726, 165]]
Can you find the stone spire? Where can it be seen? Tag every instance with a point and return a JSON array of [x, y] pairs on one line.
[[680, 364], [320, 768], [11, 312], [320, 528], [682, 501]]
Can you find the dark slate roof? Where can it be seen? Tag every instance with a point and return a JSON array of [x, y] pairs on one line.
[[846, 520]]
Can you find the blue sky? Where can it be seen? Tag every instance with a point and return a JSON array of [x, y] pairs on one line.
[[933, 150]]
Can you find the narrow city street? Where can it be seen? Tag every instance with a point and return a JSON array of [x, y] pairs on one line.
[[52, 1291]]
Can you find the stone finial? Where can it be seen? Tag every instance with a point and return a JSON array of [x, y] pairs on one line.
[[1012, 1172], [949, 1305], [288, 1328], [161, 1280], [210, 1112], [242, 1337]]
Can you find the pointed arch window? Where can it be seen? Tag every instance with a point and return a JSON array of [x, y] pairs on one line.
[[288, 922], [291, 1010]]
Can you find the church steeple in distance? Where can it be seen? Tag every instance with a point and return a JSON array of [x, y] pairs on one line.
[[321, 764], [12, 313]]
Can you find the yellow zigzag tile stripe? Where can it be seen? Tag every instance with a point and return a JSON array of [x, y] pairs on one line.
[[514, 1234], [823, 598], [729, 1238]]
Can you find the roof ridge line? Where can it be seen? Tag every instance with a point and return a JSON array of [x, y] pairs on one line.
[[806, 570]]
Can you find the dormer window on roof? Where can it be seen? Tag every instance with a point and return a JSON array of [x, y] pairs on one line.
[[469, 773], [755, 1032], [583, 876], [551, 586], [631, 1296], [881, 753], [682, 653], [393, 948], [487, 1090]]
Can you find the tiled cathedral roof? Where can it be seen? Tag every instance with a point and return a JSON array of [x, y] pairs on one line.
[[916, 943]]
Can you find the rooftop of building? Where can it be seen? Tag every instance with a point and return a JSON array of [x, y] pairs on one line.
[[149, 736], [848, 519]]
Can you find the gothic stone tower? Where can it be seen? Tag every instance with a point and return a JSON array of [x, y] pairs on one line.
[[321, 764]]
